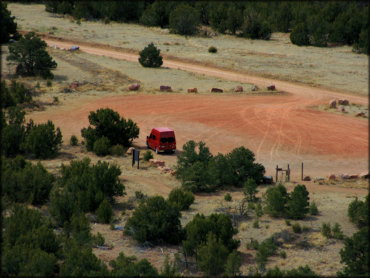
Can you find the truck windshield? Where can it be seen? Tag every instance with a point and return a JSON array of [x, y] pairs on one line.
[[167, 140]]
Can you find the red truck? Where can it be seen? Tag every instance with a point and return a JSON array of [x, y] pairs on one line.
[[161, 139]]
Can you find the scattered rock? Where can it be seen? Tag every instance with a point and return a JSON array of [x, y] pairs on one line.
[[333, 103], [134, 87], [331, 177], [192, 90], [164, 169], [344, 176], [130, 150], [156, 162], [343, 102], [254, 88], [360, 114], [271, 87], [307, 178], [353, 177], [163, 88], [216, 90], [238, 89]]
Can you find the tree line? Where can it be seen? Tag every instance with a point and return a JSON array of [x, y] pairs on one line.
[[316, 23]]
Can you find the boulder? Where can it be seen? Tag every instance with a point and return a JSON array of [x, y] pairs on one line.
[[333, 103], [134, 87], [216, 90], [238, 89], [307, 178], [343, 102], [331, 177], [254, 88], [130, 150], [192, 90], [360, 114], [271, 87], [163, 88], [156, 162]]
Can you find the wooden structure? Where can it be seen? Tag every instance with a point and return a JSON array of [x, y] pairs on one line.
[[287, 173]]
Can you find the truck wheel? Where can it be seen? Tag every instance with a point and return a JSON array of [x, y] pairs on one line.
[[156, 150]]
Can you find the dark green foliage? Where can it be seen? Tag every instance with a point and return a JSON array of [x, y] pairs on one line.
[[80, 261], [358, 212], [73, 141], [301, 271], [182, 199], [255, 27], [282, 254], [326, 230], [43, 140], [148, 155], [313, 208], [101, 146], [32, 58], [108, 123], [116, 150], [252, 245], [24, 182], [79, 229], [184, 20], [259, 210], [275, 200], [171, 269], [355, 254], [8, 26], [256, 224], [337, 232], [227, 197], [83, 187], [212, 255], [104, 212], [155, 220], [233, 264], [212, 49], [297, 204], [299, 35], [198, 228], [250, 190], [150, 57], [129, 267], [297, 228], [16, 93], [329, 232], [265, 249]]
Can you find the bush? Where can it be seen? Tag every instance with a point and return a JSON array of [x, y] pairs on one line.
[[256, 28], [43, 140], [256, 224], [358, 212], [313, 208], [265, 249], [32, 58], [116, 150], [326, 230], [212, 49], [150, 58], [182, 199], [49, 83], [184, 20], [282, 254], [275, 200], [297, 228], [233, 264], [129, 267], [337, 232], [227, 197], [287, 222], [299, 35], [101, 146], [140, 196], [155, 220], [17, 93], [108, 123], [104, 212], [250, 190], [297, 203], [148, 155], [73, 141], [252, 245]]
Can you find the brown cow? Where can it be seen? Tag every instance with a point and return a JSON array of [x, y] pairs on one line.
[[134, 87], [192, 90], [238, 89], [216, 90], [163, 88], [271, 87]]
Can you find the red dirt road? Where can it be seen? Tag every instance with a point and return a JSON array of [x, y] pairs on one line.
[[279, 129]]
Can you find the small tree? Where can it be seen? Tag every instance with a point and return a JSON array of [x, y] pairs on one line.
[[73, 141], [148, 155], [275, 200], [104, 212], [32, 58], [182, 199], [8, 26], [297, 204], [250, 190], [358, 212], [299, 35], [313, 208], [233, 264], [150, 58], [129, 267], [184, 20], [101, 146]]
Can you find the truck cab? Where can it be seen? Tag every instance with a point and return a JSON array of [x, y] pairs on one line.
[[161, 139]]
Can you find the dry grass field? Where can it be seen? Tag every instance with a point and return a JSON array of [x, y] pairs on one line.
[[339, 147]]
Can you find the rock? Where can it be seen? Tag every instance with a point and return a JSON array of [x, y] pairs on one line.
[[364, 175], [343, 102], [74, 85], [164, 169], [344, 176], [157, 162], [163, 88], [307, 178], [360, 114], [254, 88], [192, 90], [318, 179], [271, 87], [333, 103], [238, 89], [216, 90], [130, 150], [353, 177], [331, 177], [134, 87]]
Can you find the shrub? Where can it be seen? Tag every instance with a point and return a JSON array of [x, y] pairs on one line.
[[16, 93], [43, 140], [184, 20], [148, 155], [108, 123], [73, 141], [265, 249], [337, 232], [297, 228], [129, 267], [104, 212], [256, 28], [256, 224], [282, 254], [250, 190], [149, 57], [313, 208], [155, 220], [182, 199], [101, 146], [140, 195], [116, 150], [297, 204], [358, 212], [212, 49], [253, 244], [233, 264], [326, 230], [49, 83], [98, 240], [287, 222], [275, 200], [299, 35], [227, 197]]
